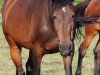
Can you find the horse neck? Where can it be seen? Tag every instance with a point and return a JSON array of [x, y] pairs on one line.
[[42, 7]]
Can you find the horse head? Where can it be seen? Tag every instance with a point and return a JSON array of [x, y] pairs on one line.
[[64, 26]]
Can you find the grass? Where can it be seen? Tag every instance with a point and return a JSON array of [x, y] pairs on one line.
[[78, 1], [1, 2], [0, 5]]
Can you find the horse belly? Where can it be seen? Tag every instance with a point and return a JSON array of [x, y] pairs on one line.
[[18, 29], [20, 36], [93, 7]]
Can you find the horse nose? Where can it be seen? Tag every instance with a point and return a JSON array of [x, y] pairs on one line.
[[66, 49]]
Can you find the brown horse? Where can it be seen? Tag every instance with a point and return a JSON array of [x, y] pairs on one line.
[[88, 12], [43, 27]]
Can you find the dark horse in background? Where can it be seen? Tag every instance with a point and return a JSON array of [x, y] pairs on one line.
[[88, 14], [43, 27]]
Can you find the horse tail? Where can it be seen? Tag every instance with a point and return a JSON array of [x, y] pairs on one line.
[[79, 13], [79, 20], [88, 19], [82, 20]]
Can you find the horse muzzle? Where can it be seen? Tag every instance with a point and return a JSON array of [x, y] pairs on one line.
[[66, 49]]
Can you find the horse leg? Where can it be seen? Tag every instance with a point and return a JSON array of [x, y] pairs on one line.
[[82, 51], [37, 54], [15, 52], [29, 64], [97, 58], [67, 58]]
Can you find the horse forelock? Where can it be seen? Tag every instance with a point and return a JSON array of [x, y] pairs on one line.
[[60, 3]]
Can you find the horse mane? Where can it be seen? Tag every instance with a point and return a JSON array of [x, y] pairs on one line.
[[80, 8], [79, 12], [60, 3]]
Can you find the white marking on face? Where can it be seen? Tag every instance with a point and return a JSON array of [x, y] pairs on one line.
[[64, 9]]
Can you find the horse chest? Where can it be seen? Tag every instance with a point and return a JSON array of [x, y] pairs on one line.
[[47, 31]]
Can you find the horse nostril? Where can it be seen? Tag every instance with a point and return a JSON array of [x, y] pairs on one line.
[[54, 17], [71, 46]]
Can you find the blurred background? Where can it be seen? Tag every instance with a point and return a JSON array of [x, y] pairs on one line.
[[51, 64], [0, 5]]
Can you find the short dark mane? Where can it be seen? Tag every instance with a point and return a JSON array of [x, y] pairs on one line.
[[80, 8], [60, 3], [79, 11]]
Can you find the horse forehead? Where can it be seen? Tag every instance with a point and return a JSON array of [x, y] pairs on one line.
[[63, 9]]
